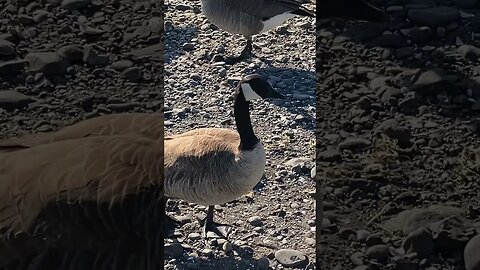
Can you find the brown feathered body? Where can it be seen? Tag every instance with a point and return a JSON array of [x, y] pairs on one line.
[[86, 197], [206, 166]]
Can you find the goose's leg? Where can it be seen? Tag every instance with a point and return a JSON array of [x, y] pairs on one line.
[[246, 53], [211, 226]]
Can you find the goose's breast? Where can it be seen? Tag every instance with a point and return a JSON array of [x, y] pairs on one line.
[[217, 180]]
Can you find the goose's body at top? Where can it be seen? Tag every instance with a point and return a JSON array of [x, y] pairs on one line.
[[253, 17]]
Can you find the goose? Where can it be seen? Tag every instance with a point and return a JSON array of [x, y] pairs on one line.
[[253, 17], [212, 166], [88, 201]]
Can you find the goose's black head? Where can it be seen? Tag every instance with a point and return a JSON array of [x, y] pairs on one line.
[[255, 86]]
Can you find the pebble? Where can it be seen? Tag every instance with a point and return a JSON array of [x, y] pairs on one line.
[[379, 252], [419, 241], [353, 143], [132, 74], [7, 48], [255, 221], [291, 258]]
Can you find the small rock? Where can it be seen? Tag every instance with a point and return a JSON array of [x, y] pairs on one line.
[[91, 57], [469, 52], [354, 143], [379, 252], [194, 236], [122, 65], [331, 154], [429, 78], [7, 48], [419, 241], [71, 52], [291, 258], [133, 74], [255, 221], [357, 258]]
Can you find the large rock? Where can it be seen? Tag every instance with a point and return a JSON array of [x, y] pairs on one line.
[[10, 100], [12, 66], [435, 16], [49, 63], [75, 4]]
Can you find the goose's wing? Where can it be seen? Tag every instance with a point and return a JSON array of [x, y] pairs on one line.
[[147, 125], [102, 169], [200, 144], [267, 8]]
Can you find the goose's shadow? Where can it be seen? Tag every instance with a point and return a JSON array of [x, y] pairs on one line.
[[299, 87]]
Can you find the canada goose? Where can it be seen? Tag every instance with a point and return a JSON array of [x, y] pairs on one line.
[[95, 173], [212, 166], [251, 17]]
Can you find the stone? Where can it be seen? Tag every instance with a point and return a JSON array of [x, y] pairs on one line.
[[465, 3], [7, 48], [122, 65], [12, 66], [354, 143], [330, 154], [71, 52], [291, 258], [133, 74], [49, 63], [429, 78], [11, 100], [92, 58], [75, 4], [419, 241], [469, 52], [379, 252], [434, 16], [255, 221]]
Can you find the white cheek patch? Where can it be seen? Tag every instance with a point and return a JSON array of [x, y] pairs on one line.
[[276, 21], [248, 92]]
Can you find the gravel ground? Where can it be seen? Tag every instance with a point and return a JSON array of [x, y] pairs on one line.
[[398, 144], [63, 61], [280, 213]]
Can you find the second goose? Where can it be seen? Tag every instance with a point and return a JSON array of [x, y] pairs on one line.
[[212, 166]]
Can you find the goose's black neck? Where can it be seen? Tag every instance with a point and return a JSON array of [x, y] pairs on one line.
[[248, 140]]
